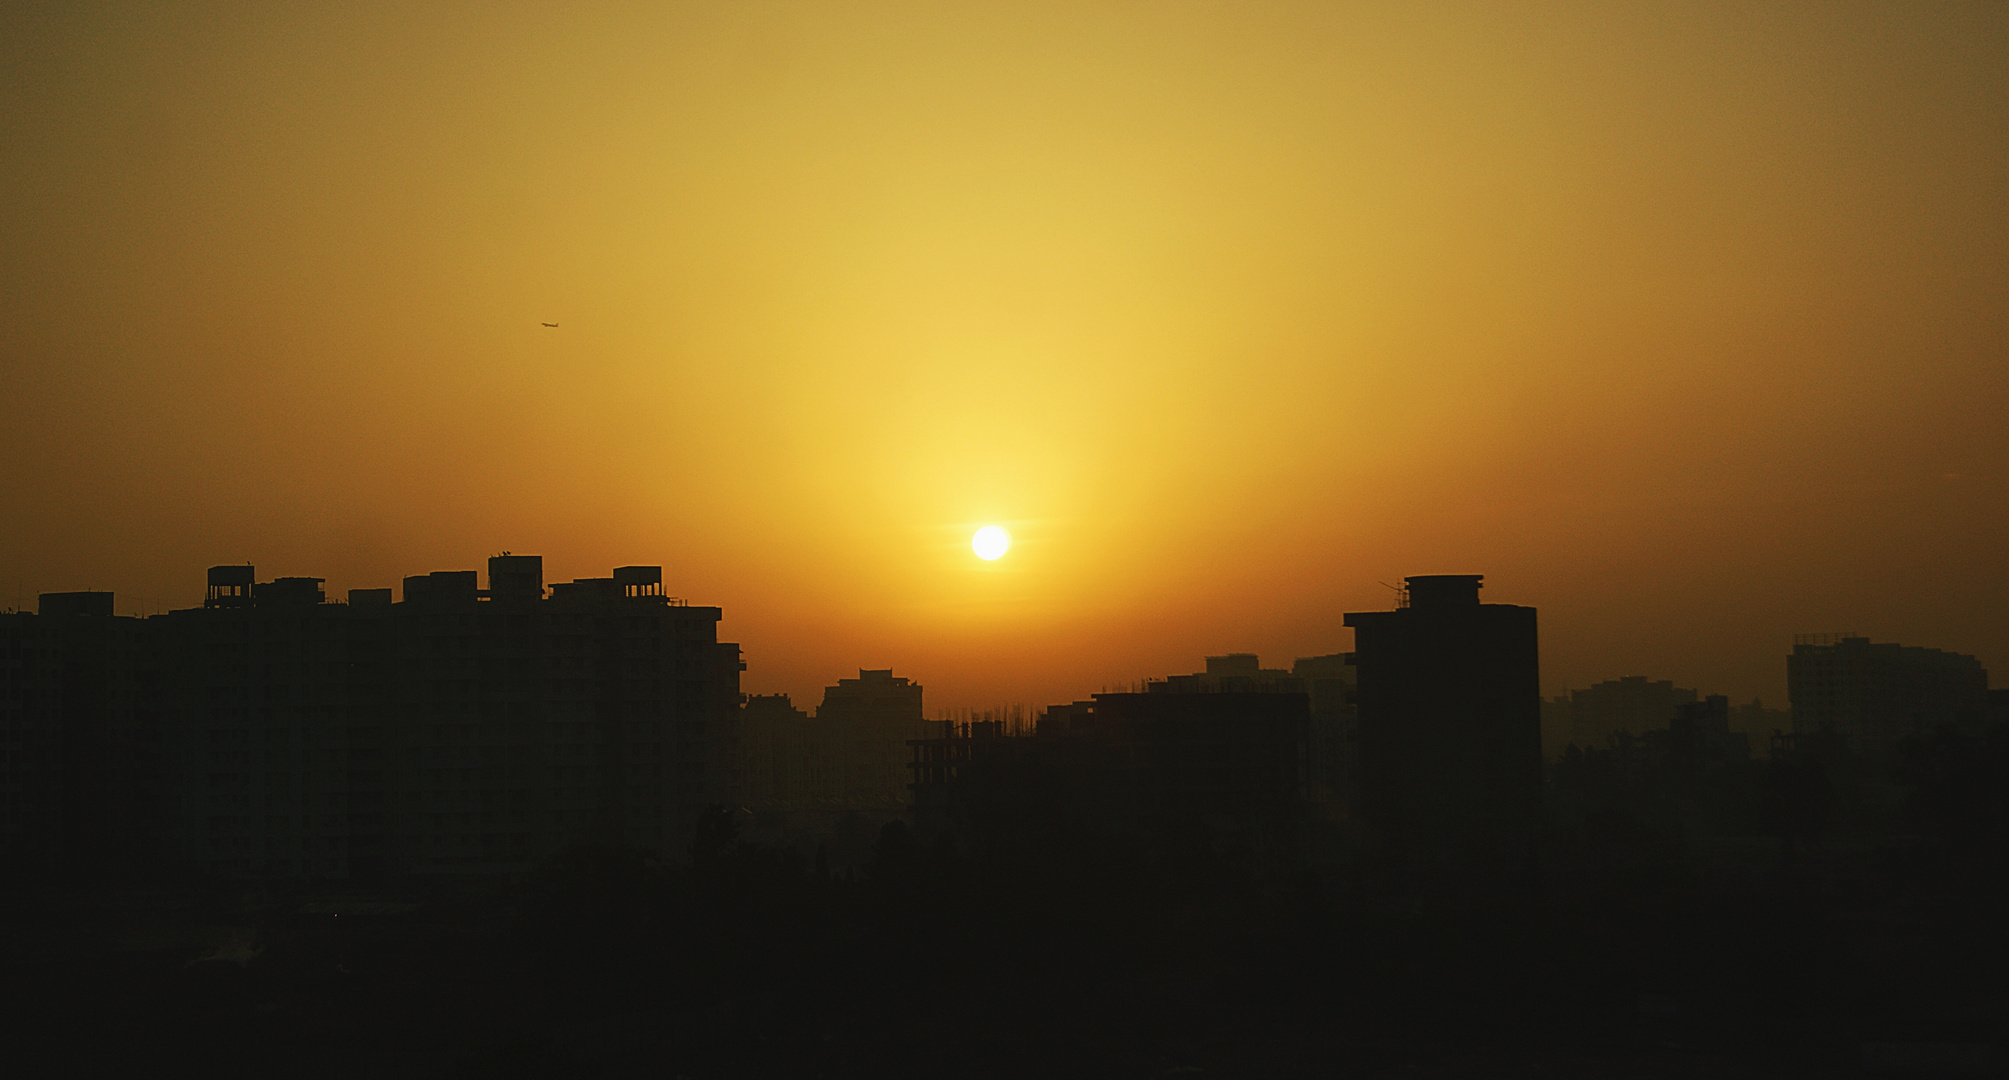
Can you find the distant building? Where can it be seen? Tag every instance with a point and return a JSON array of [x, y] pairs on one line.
[[1229, 747], [1758, 723], [857, 750], [1328, 681], [274, 707], [1700, 733], [1233, 673], [1635, 707], [1592, 717], [772, 753], [1450, 722], [1332, 683], [851, 756], [1232, 754], [1873, 695]]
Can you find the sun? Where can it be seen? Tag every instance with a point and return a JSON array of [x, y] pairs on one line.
[[991, 542]]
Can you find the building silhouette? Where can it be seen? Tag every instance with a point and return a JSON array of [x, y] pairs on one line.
[[1873, 695], [1700, 732], [851, 756], [460, 729], [1235, 754], [771, 753], [78, 740], [1450, 722], [1228, 748], [1592, 717], [859, 741], [1329, 683], [1634, 708], [30, 750]]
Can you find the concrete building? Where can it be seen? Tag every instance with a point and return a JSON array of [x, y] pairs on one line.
[[1332, 683], [1186, 750], [1874, 695], [1328, 682], [271, 731], [771, 753], [1701, 733], [78, 745], [1594, 716], [266, 695], [857, 752], [1450, 722]]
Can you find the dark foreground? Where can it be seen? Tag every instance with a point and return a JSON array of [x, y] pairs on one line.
[[1731, 958]]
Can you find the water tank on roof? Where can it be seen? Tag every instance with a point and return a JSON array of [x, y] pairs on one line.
[[1444, 590], [230, 586]]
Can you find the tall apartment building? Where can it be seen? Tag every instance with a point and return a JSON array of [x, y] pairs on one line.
[[30, 745], [857, 753], [851, 756], [276, 711], [457, 730], [1329, 683], [78, 742], [1873, 694], [770, 759], [1450, 721]]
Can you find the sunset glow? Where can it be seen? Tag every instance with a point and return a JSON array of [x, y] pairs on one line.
[[1696, 319]]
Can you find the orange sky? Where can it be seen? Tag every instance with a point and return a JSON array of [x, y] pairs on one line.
[[1685, 325]]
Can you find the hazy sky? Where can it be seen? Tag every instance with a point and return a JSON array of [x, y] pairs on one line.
[[1687, 324]]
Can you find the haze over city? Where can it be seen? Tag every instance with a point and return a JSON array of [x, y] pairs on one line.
[[874, 540], [1685, 326]]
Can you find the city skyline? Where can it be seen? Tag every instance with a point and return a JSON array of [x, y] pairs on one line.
[[803, 685], [1686, 329], [883, 538]]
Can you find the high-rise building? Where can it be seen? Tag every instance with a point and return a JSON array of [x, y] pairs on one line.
[[268, 698], [1873, 695], [30, 736], [1328, 681], [77, 742], [1331, 682], [771, 758], [1449, 722], [271, 731], [857, 753]]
